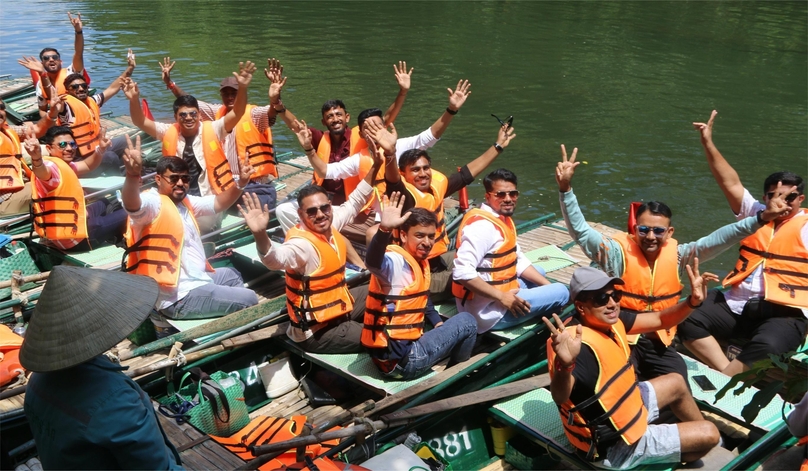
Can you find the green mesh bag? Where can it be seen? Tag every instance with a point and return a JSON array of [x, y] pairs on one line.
[[21, 260]]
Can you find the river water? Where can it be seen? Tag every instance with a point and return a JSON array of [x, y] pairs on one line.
[[622, 81]]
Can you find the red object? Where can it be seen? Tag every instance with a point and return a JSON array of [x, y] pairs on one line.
[[632, 219], [463, 194], [146, 110]]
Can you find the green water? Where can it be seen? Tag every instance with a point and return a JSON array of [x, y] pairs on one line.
[[620, 80]]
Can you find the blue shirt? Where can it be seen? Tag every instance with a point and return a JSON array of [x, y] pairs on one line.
[[92, 416]]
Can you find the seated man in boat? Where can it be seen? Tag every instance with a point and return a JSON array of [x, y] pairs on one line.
[[399, 293], [767, 300], [650, 261], [493, 279], [84, 412], [163, 240], [324, 314], [82, 113], [426, 188], [253, 132], [60, 215], [605, 412]]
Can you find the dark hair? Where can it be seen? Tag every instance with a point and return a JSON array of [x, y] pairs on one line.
[[175, 164], [368, 113], [73, 77], [655, 207], [419, 217], [57, 131], [42, 52], [787, 178], [500, 174], [308, 191], [333, 104], [185, 100], [409, 157]]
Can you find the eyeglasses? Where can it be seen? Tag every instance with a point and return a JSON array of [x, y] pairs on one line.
[[173, 179], [64, 144], [789, 199], [77, 86], [508, 121], [312, 212], [501, 194], [658, 231], [185, 114], [601, 298], [51, 56]]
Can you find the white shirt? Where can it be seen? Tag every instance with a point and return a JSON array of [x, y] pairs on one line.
[[478, 239], [199, 149], [752, 286], [192, 257]]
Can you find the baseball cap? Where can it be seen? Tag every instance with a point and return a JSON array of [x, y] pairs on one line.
[[590, 279], [229, 82]]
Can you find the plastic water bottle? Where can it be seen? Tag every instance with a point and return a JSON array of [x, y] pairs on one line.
[[412, 441], [19, 329]]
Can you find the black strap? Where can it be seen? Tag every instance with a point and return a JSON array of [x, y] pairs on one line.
[[377, 313], [773, 256], [596, 397], [309, 291], [792, 289], [211, 396], [496, 269], [652, 299], [396, 297], [383, 327], [298, 277], [500, 255]]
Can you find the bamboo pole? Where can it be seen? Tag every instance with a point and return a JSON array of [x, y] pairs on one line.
[[27, 279]]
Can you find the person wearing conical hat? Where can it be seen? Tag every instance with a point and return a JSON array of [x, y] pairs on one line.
[[83, 411]]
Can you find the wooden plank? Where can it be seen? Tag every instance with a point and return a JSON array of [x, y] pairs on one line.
[[262, 334]]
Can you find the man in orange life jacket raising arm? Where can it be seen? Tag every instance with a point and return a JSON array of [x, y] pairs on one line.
[[650, 261], [324, 314], [163, 240], [767, 302], [398, 296], [252, 133], [605, 412], [60, 215]]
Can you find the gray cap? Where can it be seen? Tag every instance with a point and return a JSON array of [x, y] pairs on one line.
[[590, 279], [229, 82]]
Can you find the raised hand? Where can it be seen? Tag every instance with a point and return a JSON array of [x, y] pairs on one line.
[[245, 73], [777, 205], [391, 212], [698, 282], [514, 303], [31, 145], [55, 103], [505, 134], [245, 169], [706, 129], [566, 346], [274, 73], [130, 59], [303, 134], [402, 76], [32, 63], [458, 96], [256, 217], [130, 89], [103, 142], [76, 22], [165, 69], [132, 158], [383, 137], [566, 169]]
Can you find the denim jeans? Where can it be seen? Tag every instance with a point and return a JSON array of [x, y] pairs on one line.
[[544, 300], [455, 337], [225, 295]]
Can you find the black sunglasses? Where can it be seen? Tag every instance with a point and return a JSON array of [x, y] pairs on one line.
[[658, 231], [50, 56], [173, 179], [64, 144], [508, 121], [185, 114], [601, 298], [501, 194], [789, 199], [312, 212], [77, 86]]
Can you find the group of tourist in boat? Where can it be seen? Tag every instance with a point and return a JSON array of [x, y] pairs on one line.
[[613, 363]]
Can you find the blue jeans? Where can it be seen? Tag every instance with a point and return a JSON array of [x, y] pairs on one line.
[[455, 337], [544, 300], [225, 295]]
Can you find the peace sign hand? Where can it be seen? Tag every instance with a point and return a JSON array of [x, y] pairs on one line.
[[391, 214], [31, 145], [132, 158], [698, 282], [566, 346], [103, 141], [566, 169], [245, 169], [706, 129]]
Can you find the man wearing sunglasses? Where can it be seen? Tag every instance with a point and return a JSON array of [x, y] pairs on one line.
[[492, 277], [60, 215], [767, 300], [325, 315], [164, 242], [649, 260], [605, 411]]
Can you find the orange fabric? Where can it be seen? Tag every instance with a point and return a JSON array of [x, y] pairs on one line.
[[629, 417], [784, 258], [433, 201], [86, 125], [365, 165], [324, 293], [650, 288], [220, 177], [259, 145], [357, 146], [503, 259], [60, 214], [10, 367], [58, 82], [406, 320], [10, 160]]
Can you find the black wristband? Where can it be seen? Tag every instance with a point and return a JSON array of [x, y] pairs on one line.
[[79, 32], [760, 218], [309, 149], [498, 147], [451, 112], [691, 306]]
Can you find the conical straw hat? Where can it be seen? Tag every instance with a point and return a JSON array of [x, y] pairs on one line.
[[82, 313]]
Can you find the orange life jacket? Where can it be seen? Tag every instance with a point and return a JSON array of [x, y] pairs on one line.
[[86, 125], [406, 320], [10, 367], [616, 391], [357, 146], [784, 258], [10, 161], [258, 144], [220, 177], [60, 214], [158, 251], [323, 464], [433, 201], [804, 442], [58, 82], [323, 294], [503, 259], [649, 288]]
